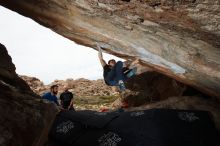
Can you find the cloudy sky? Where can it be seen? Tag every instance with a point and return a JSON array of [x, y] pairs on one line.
[[38, 51]]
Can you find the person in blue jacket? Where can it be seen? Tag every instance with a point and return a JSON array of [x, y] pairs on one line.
[[51, 96]]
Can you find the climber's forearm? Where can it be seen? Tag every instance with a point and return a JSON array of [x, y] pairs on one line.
[[135, 62], [102, 61]]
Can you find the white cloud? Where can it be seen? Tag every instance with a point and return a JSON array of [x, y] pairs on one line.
[[38, 51]]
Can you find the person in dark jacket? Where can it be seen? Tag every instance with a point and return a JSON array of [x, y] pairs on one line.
[[67, 99], [113, 72]]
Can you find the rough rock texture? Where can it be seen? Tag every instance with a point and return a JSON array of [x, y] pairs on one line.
[[179, 38], [152, 87], [35, 84], [24, 119]]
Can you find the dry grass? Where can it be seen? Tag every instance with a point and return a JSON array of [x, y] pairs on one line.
[[93, 102]]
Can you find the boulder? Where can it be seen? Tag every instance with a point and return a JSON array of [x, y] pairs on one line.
[[25, 119], [151, 87], [177, 38]]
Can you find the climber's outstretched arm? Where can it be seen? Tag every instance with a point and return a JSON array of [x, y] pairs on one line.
[[102, 61], [132, 64], [135, 62]]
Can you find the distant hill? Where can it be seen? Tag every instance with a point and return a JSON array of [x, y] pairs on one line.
[[80, 87]]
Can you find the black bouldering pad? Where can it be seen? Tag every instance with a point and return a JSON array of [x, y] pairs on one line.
[[155, 127]]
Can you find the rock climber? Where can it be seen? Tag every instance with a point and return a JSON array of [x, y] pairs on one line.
[[113, 72]]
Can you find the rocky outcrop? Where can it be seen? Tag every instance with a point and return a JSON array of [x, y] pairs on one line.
[[35, 84], [25, 118], [141, 89], [152, 87], [84, 87], [149, 86], [177, 38], [79, 87]]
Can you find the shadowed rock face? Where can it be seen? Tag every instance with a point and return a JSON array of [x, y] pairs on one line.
[[177, 38], [151, 87], [24, 119]]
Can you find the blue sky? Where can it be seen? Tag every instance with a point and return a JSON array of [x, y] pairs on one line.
[[38, 51]]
